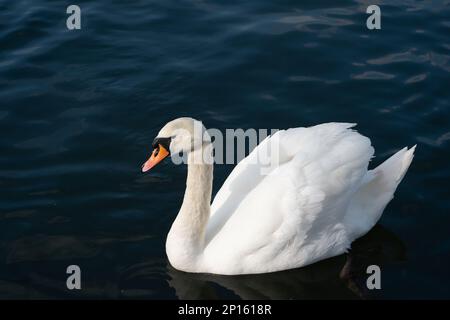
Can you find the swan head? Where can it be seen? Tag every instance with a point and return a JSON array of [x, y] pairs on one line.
[[182, 135]]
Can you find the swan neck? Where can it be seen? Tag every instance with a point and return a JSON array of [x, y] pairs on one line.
[[197, 197], [186, 239]]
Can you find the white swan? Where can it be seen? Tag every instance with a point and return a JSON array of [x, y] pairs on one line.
[[308, 203]]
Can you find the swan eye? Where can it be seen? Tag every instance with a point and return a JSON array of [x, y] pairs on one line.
[[164, 142]]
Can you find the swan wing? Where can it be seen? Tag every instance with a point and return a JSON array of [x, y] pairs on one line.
[[247, 174], [291, 212]]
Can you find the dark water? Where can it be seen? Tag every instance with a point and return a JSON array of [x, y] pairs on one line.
[[79, 109]]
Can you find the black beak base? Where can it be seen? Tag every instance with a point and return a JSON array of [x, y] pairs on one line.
[[164, 142]]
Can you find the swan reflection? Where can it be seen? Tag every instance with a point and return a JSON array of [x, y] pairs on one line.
[[342, 277]]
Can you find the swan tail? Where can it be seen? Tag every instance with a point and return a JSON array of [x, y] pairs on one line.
[[377, 191], [394, 169]]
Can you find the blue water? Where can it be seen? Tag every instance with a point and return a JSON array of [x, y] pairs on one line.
[[79, 109]]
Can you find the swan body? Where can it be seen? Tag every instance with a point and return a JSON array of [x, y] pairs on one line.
[[311, 197]]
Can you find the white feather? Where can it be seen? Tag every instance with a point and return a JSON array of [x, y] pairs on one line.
[[314, 199]]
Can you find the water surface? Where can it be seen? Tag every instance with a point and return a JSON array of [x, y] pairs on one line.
[[79, 110]]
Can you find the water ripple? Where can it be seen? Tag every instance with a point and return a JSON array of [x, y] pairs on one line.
[[79, 109]]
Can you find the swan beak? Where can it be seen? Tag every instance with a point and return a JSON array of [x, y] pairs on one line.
[[158, 154]]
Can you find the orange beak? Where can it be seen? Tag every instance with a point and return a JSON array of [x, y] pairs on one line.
[[157, 156]]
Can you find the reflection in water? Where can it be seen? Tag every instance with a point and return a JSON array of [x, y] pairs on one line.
[[41, 263], [340, 277]]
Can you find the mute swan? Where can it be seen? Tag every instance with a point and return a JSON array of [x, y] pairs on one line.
[[312, 198]]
